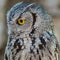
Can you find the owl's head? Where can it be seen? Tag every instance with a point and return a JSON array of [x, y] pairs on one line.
[[24, 17]]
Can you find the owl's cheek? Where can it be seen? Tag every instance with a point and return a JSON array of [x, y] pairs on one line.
[[11, 29], [18, 30], [24, 30]]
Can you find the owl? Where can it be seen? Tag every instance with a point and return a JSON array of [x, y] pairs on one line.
[[30, 33]]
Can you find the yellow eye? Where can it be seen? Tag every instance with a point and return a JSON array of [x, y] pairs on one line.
[[20, 22]]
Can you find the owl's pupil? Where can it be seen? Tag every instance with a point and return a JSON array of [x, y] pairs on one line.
[[21, 21]]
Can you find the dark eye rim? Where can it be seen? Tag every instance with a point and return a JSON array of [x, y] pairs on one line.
[[34, 18]]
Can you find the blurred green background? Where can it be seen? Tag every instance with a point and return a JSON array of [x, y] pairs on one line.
[[52, 6]]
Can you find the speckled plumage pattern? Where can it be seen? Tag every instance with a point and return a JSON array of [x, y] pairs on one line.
[[33, 41]]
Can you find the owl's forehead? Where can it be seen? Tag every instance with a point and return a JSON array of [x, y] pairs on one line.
[[20, 8]]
